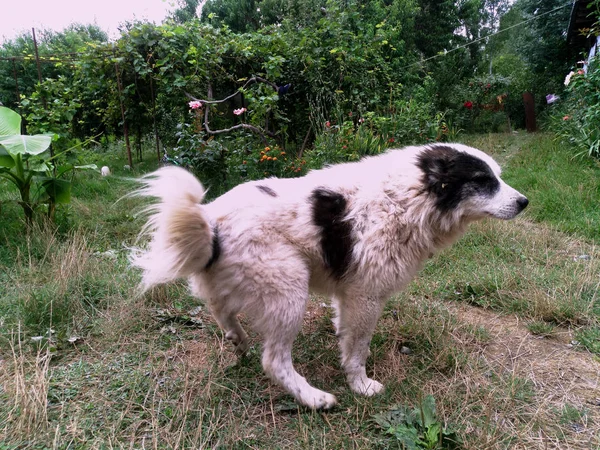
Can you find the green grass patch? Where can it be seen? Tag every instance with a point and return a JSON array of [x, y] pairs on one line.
[[145, 375]]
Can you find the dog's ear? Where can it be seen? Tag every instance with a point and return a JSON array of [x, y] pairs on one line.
[[436, 164]]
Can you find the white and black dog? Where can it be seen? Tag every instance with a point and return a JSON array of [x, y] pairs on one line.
[[357, 232]]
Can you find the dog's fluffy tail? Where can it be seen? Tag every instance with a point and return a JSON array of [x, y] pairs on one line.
[[180, 233]]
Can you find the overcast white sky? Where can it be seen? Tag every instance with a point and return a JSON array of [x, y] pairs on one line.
[[22, 15]]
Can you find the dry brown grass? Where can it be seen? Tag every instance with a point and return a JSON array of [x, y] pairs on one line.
[[26, 381]]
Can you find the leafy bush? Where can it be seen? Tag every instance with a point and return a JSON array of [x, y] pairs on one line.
[[577, 121], [479, 104]]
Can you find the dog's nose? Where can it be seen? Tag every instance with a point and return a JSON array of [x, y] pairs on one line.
[[522, 202]]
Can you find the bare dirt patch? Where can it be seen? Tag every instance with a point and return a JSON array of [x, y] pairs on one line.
[[564, 378]]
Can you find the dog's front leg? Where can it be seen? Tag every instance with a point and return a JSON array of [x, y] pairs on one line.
[[355, 323]]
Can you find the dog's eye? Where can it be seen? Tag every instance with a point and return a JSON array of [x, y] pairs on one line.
[[481, 178]]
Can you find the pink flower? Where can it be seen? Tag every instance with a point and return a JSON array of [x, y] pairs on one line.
[[566, 118], [361, 120], [580, 72], [237, 112], [327, 124], [196, 104]]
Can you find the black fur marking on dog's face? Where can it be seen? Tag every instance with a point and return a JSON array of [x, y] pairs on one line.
[[266, 190], [216, 249], [451, 176], [328, 213]]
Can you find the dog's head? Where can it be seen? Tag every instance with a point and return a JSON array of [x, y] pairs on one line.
[[466, 180]]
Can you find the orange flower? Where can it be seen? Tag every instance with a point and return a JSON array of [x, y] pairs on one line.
[[244, 162], [269, 158], [282, 153], [274, 158], [267, 149]]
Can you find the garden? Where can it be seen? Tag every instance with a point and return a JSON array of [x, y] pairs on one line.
[[496, 344]]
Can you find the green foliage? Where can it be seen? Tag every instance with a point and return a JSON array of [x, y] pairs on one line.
[[577, 120], [480, 103], [59, 116], [25, 162], [418, 427], [201, 154], [52, 47]]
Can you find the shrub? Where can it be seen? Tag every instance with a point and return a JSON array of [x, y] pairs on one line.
[[479, 105], [577, 121]]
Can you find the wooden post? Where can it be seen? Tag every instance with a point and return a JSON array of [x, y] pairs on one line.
[[125, 131]]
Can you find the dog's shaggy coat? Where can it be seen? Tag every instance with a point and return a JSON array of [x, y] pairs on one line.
[[357, 232]]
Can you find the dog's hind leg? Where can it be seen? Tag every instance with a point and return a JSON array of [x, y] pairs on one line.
[[225, 311], [234, 332], [355, 323], [279, 331]]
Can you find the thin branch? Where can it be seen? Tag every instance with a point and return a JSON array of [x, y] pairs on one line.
[[247, 83], [305, 142], [252, 128]]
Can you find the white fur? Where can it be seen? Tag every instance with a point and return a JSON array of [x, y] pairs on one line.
[[271, 256]]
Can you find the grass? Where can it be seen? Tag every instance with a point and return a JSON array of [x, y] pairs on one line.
[[108, 368]]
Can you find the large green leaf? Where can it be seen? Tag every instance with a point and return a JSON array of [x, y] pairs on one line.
[[10, 122], [58, 190], [61, 170], [27, 145], [5, 159]]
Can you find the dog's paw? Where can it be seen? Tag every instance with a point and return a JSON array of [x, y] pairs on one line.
[[317, 399], [242, 348], [366, 386], [240, 343]]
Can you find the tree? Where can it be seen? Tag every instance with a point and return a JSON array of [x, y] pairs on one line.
[[185, 11], [544, 46]]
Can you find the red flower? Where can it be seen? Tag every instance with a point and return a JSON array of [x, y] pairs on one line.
[[468, 105], [566, 118], [327, 124], [391, 140]]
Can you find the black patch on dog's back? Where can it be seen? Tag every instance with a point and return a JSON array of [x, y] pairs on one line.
[[328, 213], [216, 249], [452, 176], [266, 190]]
